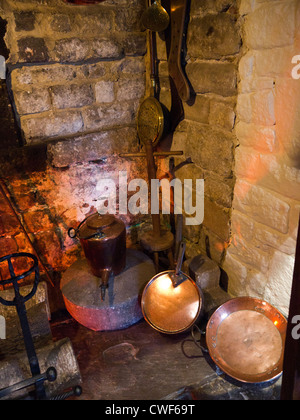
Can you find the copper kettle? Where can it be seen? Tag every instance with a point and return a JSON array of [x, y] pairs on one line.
[[103, 239]]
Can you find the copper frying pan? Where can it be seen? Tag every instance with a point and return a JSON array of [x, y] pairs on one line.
[[245, 338]]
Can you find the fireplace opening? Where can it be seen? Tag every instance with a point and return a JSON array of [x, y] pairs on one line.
[[152, 177]]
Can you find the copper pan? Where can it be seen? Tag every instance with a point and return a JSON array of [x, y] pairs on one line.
[[245, 338], [172, 302], [169, 309]]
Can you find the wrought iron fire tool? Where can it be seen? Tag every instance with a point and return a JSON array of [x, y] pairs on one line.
[[19, 301]]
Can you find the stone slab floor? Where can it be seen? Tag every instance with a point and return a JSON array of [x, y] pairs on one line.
[[139, 363]]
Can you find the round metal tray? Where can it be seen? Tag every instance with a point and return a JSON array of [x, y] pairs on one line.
[[169, 309], [245, 338]]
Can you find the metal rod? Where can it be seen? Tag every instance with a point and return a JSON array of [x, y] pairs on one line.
[[152, 175], [19, 302], [50, 376], [3, 188]]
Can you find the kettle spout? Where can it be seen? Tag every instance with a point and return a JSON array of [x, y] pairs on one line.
[[103, 292], [104, 283]]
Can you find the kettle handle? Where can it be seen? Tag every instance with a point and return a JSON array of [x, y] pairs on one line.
[[72, 233]]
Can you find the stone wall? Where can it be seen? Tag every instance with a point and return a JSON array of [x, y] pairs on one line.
[[76, 76], [207, 132], [266, 204]]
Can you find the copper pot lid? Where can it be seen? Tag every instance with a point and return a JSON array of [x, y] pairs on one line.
[[245, 338], [170, 309], [98, 227]]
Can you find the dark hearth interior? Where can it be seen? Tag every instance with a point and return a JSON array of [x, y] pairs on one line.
[[95, 106]]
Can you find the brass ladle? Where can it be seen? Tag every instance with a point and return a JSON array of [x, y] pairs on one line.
[[156, 18]]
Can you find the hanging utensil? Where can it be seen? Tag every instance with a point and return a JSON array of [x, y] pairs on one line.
[[153, 118], [155, 18], [178, 14], [172, 302], [178, 277]]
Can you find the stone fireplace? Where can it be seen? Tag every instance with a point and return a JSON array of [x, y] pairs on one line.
[[72, 79], [76, 76]]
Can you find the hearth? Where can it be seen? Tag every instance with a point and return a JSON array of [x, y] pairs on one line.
[[145, 125]]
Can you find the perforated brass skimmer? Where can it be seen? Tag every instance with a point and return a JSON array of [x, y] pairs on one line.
[[156, 18]]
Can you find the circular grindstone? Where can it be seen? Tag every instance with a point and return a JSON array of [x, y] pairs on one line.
[[121, 307]]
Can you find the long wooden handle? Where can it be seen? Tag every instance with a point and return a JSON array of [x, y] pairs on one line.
[[178, 14]]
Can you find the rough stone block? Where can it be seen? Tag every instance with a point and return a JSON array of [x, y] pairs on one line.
[[131, 65], [218, 189], [33, 50], [261, 138], [199, 112], [257, 107], [212, 243], [210, 148], [263, 112], [213, 298], [275, 24], [249, 254], [222, 115], [94, 71], [213, 37], [135, 45], [219, 77], [248, 164], [25, 21], [274, 62], [95, 23], [216, 6], [91, 147], [61, 23], [52, 125], [287, 112], [49, 247], [33, 101], [128, 19], [73, 96], [246, 65], [71, 50], [205, 272], [34, 2], [236, 272], [105, 91], [262, 205], [217, 219], [107, 115], [43, 75], [280, 276], [8, 246], [256, 84], [8, 224], [37, 221], [106, 48], [276, 240], [246, 7], [129, 89], [280, 176]]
